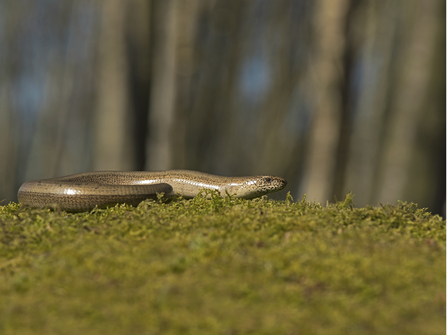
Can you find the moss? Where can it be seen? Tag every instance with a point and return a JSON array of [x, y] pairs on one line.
[[223, 266]]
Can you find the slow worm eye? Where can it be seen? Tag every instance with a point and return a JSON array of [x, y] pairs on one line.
[[268, 179]]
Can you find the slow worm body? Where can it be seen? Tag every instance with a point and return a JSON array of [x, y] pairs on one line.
[[85, 191]]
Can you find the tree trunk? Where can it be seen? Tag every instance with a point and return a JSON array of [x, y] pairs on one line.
[[327, 77], [113, 147], [163, 92]]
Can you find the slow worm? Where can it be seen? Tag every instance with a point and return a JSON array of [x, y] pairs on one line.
[[85, 191]]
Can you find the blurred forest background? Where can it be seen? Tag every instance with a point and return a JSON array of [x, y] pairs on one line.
[[333, 95]]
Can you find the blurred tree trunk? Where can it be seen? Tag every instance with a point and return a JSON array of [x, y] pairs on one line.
[[138, 37], [413, 71], [160, 149], [113, 144], [232, 120], [376, 33], [185, 67], [273, 117], [9, 163], [328, 75], [217, 50]]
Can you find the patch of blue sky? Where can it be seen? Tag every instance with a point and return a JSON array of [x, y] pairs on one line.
[[255, 78]]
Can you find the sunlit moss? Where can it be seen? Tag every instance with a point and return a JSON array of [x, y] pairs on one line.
[[223, 266]]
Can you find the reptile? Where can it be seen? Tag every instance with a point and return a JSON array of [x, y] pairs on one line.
[[85, 191]]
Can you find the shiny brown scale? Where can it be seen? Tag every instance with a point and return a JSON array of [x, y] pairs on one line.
[[84, 191]]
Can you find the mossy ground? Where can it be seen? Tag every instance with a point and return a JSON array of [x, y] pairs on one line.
[[223, 266]]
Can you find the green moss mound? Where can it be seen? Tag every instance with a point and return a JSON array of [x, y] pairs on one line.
[[223, 266]]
